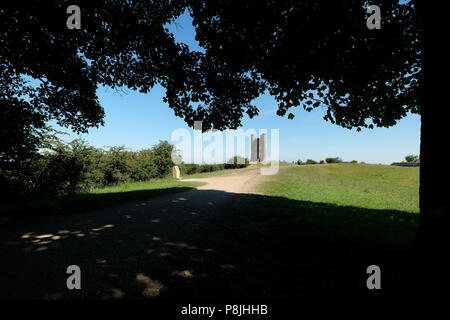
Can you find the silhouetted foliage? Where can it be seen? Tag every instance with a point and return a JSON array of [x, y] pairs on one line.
[[289, 49], [48, 72]]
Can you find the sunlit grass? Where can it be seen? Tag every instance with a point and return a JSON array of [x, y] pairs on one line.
[[365, 204], [154, 184], [358, 185]]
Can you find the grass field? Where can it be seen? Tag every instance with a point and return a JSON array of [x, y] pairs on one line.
[[374, 204], [359, 185], [318, 227]]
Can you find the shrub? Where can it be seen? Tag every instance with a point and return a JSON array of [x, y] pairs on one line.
[[144, 166], [163, 158], [206, 168], [189, 168], [333, 160], [299, 162], [237, 162], [322, 161], [310, 161], [412, 158], [116, 165], [67, 168], [63, 171]]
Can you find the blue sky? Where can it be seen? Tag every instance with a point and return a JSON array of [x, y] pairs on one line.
[[140, 120]]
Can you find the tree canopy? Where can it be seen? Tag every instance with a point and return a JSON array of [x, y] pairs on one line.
[[306, 54]]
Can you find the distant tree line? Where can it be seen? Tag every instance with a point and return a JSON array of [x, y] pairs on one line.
[[327, 160], [411, 160]]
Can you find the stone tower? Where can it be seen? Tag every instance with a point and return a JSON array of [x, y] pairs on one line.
[[253, 148], [258, 148], [262, 156]]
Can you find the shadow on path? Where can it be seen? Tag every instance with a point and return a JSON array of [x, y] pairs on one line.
[[208, 245]]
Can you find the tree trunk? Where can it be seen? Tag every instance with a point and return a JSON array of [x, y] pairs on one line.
[[433, 236]]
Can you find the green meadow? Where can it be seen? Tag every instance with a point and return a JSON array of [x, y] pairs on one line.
[[345, 184], [367, 204]]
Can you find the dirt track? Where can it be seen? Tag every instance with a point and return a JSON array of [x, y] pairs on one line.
[[238, 182]]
